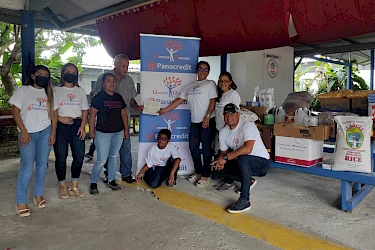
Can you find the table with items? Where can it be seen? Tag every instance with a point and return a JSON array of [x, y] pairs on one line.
[[297, 139]]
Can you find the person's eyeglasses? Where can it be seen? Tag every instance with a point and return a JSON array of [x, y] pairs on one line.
[[162, 139], [205, 70], [221, 81]]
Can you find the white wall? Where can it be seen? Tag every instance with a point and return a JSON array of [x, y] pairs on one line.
[[249, 69]]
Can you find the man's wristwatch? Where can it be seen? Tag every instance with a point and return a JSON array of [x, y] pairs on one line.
[[225, 157], [208, 116]]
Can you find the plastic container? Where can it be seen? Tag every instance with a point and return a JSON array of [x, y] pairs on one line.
[[269, 119], [299, 116], [307, 111], [279, 115]]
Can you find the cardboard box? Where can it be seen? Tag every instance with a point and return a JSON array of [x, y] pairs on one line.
[[332, 131], [297, 151], [297, 131], [259, 111], [360, 106], [335, 105], [266, 133]]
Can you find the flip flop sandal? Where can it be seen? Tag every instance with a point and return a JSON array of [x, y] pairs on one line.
[[72, 193], [41, 204], [194, 178], [23, 212], [63, 194]]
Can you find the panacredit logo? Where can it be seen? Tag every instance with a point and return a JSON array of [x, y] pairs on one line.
[[151, 65]]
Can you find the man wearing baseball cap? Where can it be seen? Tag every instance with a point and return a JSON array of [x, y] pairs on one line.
[[241, 148]]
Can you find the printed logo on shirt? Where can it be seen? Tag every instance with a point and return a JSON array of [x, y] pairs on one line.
[[236, 141], [194, 91], [164, 160], [42, 105], [113, 104], [70, 101]]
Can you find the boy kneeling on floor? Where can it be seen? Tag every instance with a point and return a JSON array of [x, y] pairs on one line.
[[162, 162]]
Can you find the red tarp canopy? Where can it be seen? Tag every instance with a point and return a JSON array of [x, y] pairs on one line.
[[237, 25], [224, 26]]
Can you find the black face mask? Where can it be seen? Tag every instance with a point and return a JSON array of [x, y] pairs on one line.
[[70, 78], [42, 81]]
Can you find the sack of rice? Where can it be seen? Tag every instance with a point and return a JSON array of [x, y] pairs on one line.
[[353, 144]]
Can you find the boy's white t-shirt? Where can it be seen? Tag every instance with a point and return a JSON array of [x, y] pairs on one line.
[[34, 107], [71, 101], [231, 96], [245, 131], [159, 157], [198, 95]]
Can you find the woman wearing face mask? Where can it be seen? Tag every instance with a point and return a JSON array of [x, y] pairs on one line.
[[33, 108], [72, 116]]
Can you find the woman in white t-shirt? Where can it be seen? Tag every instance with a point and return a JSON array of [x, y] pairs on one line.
[[200, 95], [72, 117], [226, 93], [33, 110]]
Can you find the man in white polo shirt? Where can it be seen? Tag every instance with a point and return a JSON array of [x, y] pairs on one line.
[[241, 147]]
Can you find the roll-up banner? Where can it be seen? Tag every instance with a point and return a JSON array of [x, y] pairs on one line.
[[167, 66]]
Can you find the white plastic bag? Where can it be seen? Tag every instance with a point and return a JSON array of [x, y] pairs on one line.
[[248, 115], [353, 144]]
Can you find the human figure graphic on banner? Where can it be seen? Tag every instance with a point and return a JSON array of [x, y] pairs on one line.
[[169, 122], [171, 83], [171, 52]]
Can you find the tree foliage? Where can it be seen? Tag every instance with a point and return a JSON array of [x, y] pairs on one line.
[[52, 42], [328, 79]]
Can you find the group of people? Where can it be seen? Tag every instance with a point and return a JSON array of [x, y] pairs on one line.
[[215, 111], [49, 116]]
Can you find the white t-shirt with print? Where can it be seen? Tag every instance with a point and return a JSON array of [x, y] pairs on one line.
[[71, 101], [231, 96], [34, 107], [159, 157], [198, 95], [245, 131]]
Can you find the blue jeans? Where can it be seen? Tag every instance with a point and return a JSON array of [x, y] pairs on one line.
[[108, 146], [205, 136], [36, 151], [243, 168], [126, 158], [155, 176]]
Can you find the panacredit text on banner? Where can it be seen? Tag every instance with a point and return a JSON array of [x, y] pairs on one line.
[[167, 66]]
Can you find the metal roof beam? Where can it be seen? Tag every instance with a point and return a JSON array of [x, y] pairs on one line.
[[17, 20], [90, 18], [337, 49], [38, 5], [52, 18]]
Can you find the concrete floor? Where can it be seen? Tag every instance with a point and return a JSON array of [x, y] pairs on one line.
[[126, 219], [131, 219]]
